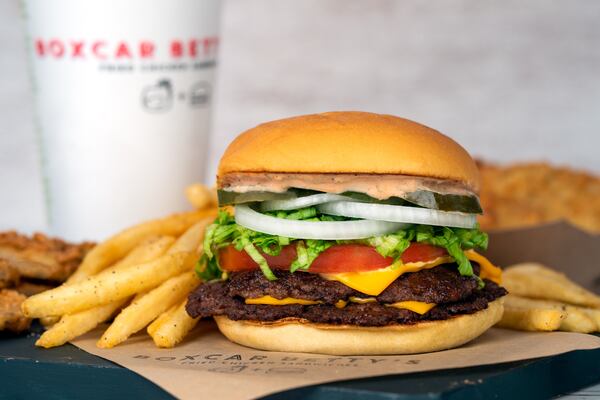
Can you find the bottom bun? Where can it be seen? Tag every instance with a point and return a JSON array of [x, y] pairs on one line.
[[297, 335]]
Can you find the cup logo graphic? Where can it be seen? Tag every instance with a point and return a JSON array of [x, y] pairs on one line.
[[158, 97], [199, 94]]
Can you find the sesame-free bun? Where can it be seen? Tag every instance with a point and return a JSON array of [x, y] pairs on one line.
[[294, 335], [349, 142]]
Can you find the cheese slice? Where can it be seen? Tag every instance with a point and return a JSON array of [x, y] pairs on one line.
[[361, 300], [376, 281], [341, 303], [488, 270], [417, 306], [279, 302]]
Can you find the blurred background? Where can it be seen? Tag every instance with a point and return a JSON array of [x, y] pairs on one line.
[[509, 80]]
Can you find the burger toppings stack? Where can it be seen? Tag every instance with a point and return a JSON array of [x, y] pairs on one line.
[[347, 233]]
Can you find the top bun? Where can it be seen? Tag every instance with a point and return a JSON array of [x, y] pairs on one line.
[[349, 142]]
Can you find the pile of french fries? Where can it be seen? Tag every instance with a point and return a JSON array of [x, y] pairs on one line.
[[541, 299], [141, 277]]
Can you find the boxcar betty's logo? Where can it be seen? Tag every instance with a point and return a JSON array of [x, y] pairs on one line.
[[123, 50], [276, 364]]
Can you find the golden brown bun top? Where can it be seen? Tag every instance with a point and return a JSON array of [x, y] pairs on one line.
[[349, 142]]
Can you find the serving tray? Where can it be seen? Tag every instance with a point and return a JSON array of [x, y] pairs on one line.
[[70, 373]]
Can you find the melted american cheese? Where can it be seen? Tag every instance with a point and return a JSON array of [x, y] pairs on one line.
[[488, 270], [376, 281], [416, 306], [362, 300], [279, 302]]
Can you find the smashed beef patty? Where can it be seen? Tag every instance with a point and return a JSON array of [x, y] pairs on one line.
[[442, 284], [215, 299]]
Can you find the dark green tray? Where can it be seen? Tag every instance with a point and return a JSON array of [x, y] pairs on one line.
[[27, 372]]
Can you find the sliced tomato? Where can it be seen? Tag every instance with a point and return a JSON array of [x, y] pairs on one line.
[[337, 258], [348, 258], [422, 252], [232, 260]]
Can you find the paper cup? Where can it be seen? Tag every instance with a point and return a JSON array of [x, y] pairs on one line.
[[124, 91]]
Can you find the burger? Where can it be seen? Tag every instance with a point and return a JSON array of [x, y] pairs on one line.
[[347, 233]]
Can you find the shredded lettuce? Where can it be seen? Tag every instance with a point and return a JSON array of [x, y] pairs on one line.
[[224, 232], [455, 241], [392, 245], [245, 244], [301, 214], [307, 251], [306, 214]]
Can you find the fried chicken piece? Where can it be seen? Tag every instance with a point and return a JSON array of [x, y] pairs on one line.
[[9, 276], [11, 317], [41, 257], [535, 193], [28, 288], [47, 261]]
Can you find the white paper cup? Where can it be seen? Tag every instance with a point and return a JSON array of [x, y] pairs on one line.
[[124, 93]]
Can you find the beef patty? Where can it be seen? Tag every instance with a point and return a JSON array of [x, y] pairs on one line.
[[453, 294], [441, 284]]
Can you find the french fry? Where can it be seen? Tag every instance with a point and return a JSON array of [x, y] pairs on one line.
[[170, 329], [122, 243], [575, 320], [71, 326], [537, 281], [48, 322], [531, 319], [145, 309], [161, 318], [200, 196], [141, 260], [578, 321], [114, 283], [594, 315], [214, 195], [107, 286], [148, 250], [190, 241]]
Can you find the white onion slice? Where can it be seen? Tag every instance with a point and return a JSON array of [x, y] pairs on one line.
[[301, 202], [410, 215], [325, 230]]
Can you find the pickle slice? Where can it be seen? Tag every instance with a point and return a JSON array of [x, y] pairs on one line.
[[445, 202], [365, 198], [229, 198], [421, 198]]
